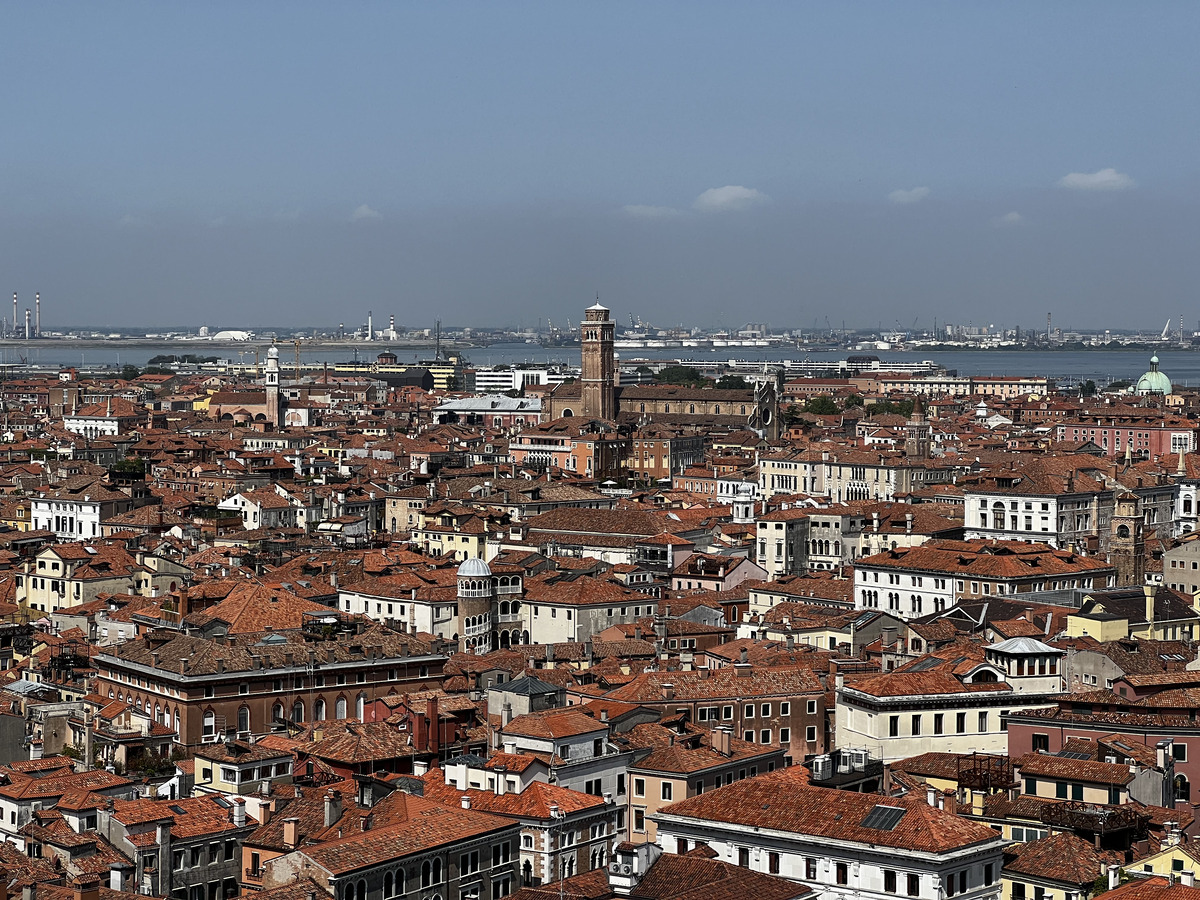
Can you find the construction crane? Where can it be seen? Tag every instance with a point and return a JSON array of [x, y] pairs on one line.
[[1166, 328]]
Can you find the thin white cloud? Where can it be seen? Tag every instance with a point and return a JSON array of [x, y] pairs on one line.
[[731, 198], [913, 195], [1008, 220], [640, 211], [1104, 180], [365, 214]]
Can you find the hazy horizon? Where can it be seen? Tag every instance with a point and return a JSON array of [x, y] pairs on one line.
[[496, 164]]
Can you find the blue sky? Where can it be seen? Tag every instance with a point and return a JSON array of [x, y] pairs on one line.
[[237, 164]]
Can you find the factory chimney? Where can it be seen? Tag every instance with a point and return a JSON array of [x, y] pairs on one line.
[[1048, 326], [27, 324], [37, 315], [392, 327], [370, 327], [14, 312]]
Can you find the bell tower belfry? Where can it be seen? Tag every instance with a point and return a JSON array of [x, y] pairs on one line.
[[598, 381], [1127, 541], [271, 381]]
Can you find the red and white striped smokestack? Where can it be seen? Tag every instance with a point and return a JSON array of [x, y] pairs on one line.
[[27, 325], [37, 314]]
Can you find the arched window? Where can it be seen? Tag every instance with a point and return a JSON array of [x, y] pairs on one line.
[[387, 884], [1122, 531], [177, 721], [362, 889], [1182, 789], [426, 874], [298, 711], [340, 708], [277, 712], [437, 871], [360, 709], [319, 710], [243, 719], [210, 723]]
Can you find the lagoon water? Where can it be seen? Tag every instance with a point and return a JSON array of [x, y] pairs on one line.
[[1102, 366]]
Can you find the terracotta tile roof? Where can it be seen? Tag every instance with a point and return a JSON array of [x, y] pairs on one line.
[[1155, 888], [1043, 765], [360, 742], [934, 764], [724, 683], [696, 877], [533, 802], [1065, 858], [567, 721], [782, 801], [200, 655], [675, 753], [423, 826], [22, 786], [988, 559]]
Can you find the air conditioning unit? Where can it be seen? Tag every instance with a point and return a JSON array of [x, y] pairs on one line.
[[822, 768]]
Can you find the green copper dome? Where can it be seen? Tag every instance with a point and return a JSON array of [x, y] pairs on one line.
[[1154, 381]]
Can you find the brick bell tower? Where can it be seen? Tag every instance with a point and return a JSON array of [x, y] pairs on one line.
[[1127, 541], [598, 379]]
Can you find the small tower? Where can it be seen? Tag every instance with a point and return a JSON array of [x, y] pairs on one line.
[[598, 376], [1127, 541], [272, 383], [475, 595], [743, 504], [916, 432]]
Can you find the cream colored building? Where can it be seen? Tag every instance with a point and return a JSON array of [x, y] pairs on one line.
[[958, 704]]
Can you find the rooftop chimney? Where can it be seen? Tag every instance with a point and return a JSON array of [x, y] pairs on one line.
[[291, 832], [333, 807], [85, 887]]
